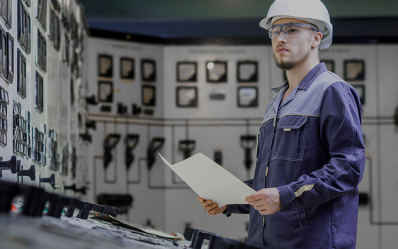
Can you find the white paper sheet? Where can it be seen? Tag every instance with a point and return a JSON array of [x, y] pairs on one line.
[[211, 181]]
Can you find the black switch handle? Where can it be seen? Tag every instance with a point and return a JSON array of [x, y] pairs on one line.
[[248, 142], [200, 236], [31, 173], [73, 204], [8, 191], [85, 136], [91, 100], [110, 143], [50, 180], [186, 146], [91, 124], [35, 199], [57, 204], [87, 207], [111, 211], [131, 141], [156, 144], [136, 109], [14, 165], [76, 190]]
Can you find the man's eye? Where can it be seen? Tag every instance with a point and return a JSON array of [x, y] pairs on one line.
[[292, 30], [276, 32]]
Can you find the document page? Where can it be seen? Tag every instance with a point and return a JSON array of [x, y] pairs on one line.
[[211, 181]]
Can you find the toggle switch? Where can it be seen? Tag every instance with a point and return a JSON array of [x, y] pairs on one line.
[[110, 143], [248, 142], [218, 157], [35, 199], [200, 236], [91, 125], [130, 141], [57, 204], [85, 136], [14, 165], [50, 180], [136, 109], [73, 204], [155, 145], [121, 108], [111, 211], [31, 173], [87, 207], [186, 146], [91, 100]]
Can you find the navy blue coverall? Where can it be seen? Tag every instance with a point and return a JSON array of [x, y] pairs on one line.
[[310, 147]]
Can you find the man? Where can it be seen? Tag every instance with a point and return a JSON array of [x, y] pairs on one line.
[[310, 156]]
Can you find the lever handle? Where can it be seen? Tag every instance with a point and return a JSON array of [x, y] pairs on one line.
[[50, 180], [14, 165], [31, 173]]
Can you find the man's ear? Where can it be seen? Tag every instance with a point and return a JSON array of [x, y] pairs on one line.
[[316, 41]]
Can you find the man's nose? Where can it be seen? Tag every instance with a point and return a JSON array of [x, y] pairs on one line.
[[282, 37]]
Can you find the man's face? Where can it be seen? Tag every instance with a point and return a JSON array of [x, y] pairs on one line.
[[290, 50]]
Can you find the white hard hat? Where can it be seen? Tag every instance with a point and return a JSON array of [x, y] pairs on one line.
[[312, 11]]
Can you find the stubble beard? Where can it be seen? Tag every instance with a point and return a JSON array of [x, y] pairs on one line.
[[291, 62]]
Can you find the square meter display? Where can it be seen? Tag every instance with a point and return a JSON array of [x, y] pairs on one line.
[[187, 96], [186, 71], [216, 71], [247, 71], [247, 97]]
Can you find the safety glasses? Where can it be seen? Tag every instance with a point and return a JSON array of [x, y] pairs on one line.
[[290, 29]]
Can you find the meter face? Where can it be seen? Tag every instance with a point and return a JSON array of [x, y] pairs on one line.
[[247, 97], [127, 68], [148, 70], [186, 71], [105, 91], [216, 71], [105, 65], [187, 96], [354, 70], [247, 71], [148, 96]]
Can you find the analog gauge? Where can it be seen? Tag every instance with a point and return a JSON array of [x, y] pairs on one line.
[[186, 71], [216, 71], [187, 96], [247, 97]]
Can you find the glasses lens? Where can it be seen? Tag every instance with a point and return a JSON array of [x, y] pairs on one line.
[[274, 31]]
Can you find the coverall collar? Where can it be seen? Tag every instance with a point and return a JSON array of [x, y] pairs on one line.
[[308, 79]]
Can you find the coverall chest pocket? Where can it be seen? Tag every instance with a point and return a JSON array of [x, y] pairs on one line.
[[290, 136], [261, 138]]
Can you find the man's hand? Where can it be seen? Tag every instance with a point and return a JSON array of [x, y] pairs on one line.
[[266, 201], [210, 207]]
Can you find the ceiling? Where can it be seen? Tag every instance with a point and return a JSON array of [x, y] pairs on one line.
[[230, 9]]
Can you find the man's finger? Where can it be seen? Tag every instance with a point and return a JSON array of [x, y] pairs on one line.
[[260, 205], [206, 203], [256, 202], [211, 207], [200, 199], [253, 197]]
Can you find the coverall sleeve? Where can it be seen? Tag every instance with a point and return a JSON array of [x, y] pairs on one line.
[[341, 134], [239, 208]]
